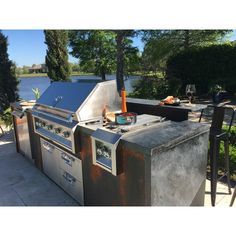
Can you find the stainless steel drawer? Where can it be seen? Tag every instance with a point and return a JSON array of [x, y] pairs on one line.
[[71, 164], [72, 186], [50, 164]]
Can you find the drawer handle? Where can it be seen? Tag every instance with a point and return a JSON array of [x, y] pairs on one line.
[[48, 147], [68, 160], [70, 179]]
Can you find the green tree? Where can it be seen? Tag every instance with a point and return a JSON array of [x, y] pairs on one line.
[[57, 55], [126, 55], [96, 46], [19, 71], [75, 67], [25, 69], [88, 66], [8, 80], [161, 44], [120, 47]]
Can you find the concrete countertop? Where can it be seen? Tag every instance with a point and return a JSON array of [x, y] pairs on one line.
[[157, 137], [182, 106], [162, 136], [89, 129]]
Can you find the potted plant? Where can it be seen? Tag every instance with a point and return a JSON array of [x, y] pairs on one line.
[[215, 92]]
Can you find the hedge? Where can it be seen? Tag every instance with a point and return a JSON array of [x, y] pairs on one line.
[[205, 67]]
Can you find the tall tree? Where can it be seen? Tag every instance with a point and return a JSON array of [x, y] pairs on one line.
[[120, 35], [57, 55], [8, 80], [160, 44], [95, 47], [124, 52]]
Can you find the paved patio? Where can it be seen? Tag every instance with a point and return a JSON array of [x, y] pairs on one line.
[[22, 184], [222, 196]]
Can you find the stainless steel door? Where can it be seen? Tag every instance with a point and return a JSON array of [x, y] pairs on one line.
[[64, 169], [72, 186], [50, 160], [23, 136], [71, 176]]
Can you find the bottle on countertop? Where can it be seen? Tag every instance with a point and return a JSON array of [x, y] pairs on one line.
[[123, 97]]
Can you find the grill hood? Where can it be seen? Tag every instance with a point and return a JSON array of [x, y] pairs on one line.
[[66, 96], [83, 101]]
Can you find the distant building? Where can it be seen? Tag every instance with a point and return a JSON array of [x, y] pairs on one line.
[[41, 68]]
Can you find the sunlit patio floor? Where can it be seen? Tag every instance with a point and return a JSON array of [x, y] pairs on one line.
[[22, 184]]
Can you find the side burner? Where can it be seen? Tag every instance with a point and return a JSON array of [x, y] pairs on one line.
[[105, 141]]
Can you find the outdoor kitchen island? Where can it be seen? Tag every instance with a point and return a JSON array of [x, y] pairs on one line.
[[102, 157], [163, 164]]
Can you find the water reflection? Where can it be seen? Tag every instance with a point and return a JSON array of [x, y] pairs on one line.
[[26, 84]]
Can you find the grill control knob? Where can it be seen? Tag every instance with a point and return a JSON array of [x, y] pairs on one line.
[[57, 130], [43, 124], [49, 127], [66, 134]]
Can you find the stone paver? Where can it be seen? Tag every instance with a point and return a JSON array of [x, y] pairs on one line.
[[223, 197], [22, 184]]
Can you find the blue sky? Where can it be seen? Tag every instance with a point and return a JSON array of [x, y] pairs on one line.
[[27, 47]]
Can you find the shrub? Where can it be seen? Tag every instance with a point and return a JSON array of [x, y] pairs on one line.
[[150, 88], [232, 158], [36, 92], [232, 151], [6, 117], [205, 67]]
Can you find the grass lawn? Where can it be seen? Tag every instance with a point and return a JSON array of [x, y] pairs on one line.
[[45, 74], [32, 75]]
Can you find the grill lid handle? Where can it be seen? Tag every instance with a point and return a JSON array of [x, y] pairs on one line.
[[56, 100], [68, 119]]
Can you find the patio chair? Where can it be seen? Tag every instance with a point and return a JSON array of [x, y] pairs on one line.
[[233, 197], [218, 116]]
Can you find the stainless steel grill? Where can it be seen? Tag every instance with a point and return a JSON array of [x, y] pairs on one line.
[[63, 105]]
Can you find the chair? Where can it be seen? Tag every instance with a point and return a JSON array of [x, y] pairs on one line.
[[218, 116], [234, 194], [233, 197]]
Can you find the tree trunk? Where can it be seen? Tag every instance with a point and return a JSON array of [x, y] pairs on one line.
[[120, 61], [103, 75], [186, 39]]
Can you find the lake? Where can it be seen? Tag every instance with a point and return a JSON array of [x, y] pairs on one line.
[[26, 84]]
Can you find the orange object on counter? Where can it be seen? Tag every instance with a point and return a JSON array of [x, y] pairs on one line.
[[104, 117], [123, 97]]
